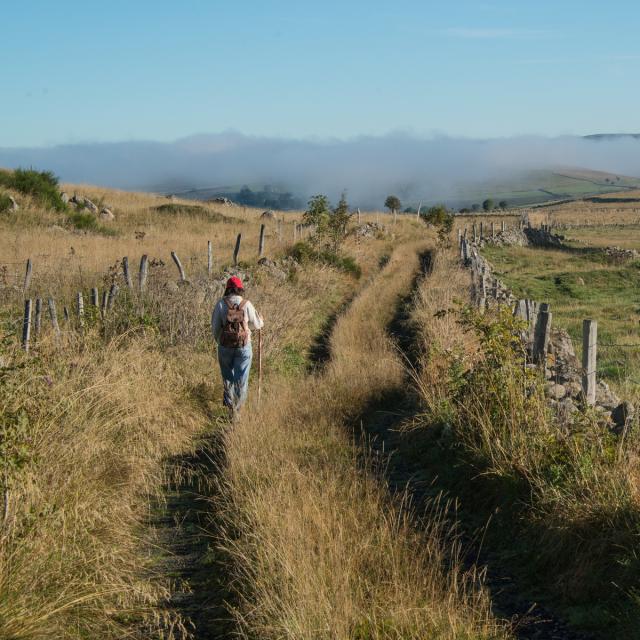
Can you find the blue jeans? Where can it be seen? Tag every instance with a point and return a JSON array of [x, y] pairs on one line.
[[235, 365]]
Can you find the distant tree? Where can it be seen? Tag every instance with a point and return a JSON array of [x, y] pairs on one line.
[[338, 222], [246, 196], [409, 210], [475, 207], [465, 210], [393, 204], [441, 218], [317, 215], [488, 204], [503, 204]]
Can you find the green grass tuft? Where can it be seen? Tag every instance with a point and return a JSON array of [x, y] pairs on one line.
[[42, 185]]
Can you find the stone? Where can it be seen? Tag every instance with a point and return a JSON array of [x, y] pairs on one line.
[[64, 196], [272, 268], [555, 391], [580, 281], [622, 417], [171, 286], [77, 200], [107, 215], [605, 397], [567, 406], [574, 389], [14, 204], [90, 205]]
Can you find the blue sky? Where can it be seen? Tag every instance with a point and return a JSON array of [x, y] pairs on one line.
[[140, 70]]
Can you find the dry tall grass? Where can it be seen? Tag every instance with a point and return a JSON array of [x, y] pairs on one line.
[[572, 490], [322, 551]]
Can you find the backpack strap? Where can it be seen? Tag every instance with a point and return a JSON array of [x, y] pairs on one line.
[[242, 305]]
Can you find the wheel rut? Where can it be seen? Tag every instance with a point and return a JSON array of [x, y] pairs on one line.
[[397, 458], [186, 526]]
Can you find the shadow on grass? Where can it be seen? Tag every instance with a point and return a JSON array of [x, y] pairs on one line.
[[187, 527]]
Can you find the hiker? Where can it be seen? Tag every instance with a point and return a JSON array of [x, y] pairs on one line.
[[232, 321]]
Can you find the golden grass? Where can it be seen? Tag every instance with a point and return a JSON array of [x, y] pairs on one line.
[[321, 549]]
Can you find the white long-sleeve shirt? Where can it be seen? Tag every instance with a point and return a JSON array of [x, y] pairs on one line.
[[219, 316]]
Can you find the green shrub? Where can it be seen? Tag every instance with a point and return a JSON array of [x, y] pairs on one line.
[[303, 252], [5, 203], [42, 185], [88, 222]]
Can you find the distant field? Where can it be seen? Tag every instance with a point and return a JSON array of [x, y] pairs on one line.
[[579, 283], [626, 237], [545, 186]]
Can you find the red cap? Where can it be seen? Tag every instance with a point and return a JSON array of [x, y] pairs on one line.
[[235, 282]]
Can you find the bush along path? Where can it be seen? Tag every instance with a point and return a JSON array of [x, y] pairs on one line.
[[319, 548], [412, 460]]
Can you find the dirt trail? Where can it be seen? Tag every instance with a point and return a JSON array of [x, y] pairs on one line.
[[185, 529], [405, 472]]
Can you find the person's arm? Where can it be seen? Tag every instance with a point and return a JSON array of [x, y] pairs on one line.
[[216, 322], [255, 319]]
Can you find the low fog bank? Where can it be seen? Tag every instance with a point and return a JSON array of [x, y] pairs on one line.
[[368, 168]]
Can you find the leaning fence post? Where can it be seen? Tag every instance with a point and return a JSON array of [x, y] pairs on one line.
[[38, 318], [589, 354], [27, 275], [179, 265], [209, 258], [80, 309], [261, 243], [236, 251], [142, 274], [26, 325], [126, 273], [542, 333], [54, 316], [113, 292]]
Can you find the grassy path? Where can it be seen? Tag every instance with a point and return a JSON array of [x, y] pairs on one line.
[[320, 548], [415, 466]]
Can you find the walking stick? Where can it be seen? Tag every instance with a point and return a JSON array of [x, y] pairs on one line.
[[259, 364]]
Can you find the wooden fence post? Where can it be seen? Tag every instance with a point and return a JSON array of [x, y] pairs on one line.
[[53, 314], [26, 325], [27, 275], [589, 354], [419, 209], [236, 251], [80, 309], [504, 224], [38, 319], [359, 215], [542, 333], [65, 313], [179, 265], [261, 242], [142, 274], [493, 231], [209, 258], [481, 230], [95, 297], [113, 292], [126, 273], [103, 306]]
